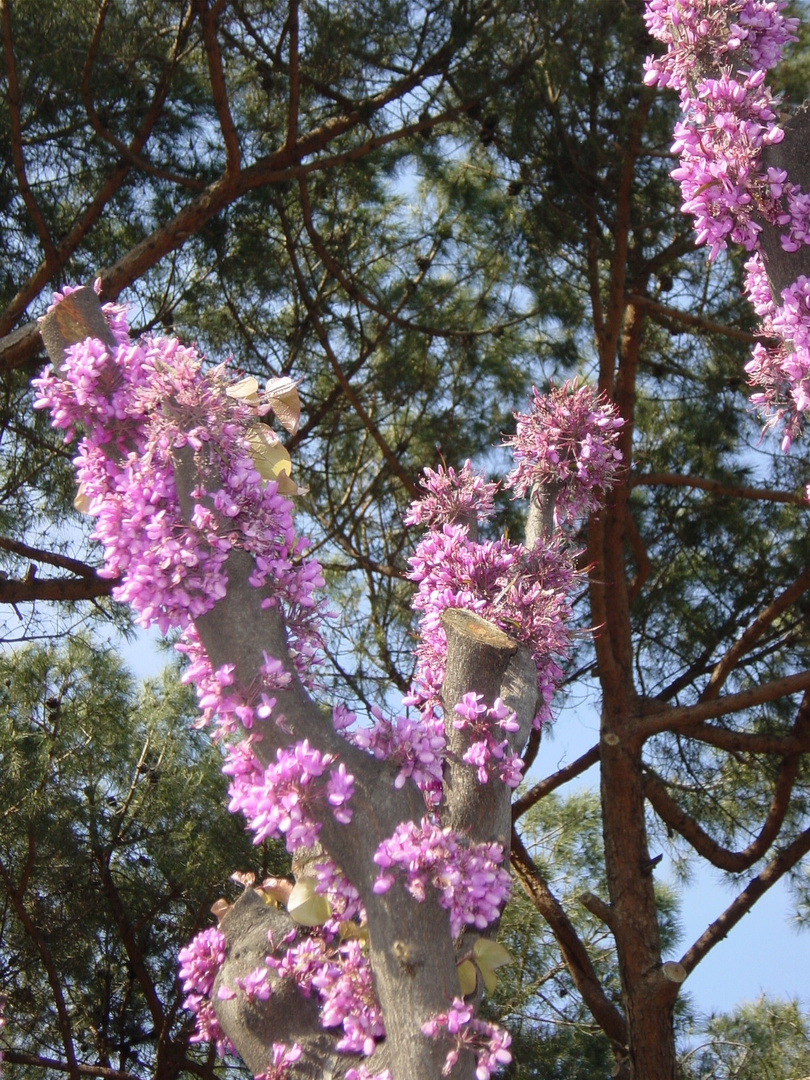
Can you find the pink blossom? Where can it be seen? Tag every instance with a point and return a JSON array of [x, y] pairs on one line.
[[717, 55], [525, 593], [282, 1057], [287, 797], [567, 442], [452, 497], [469, 880], [340, 977], [200, 962], [489, 1043], [486, 750]]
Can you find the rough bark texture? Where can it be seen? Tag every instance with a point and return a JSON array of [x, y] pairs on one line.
[[793, 155]]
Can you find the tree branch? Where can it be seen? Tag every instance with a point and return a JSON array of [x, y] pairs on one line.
[[617, 301], [643, 564], [638, 731], [482, 659], [292, 115], [724, 859], [748, 742], [717, 487], [557, 779], [208, 20], [574, 952], [15, 1057], [63, 1017], [25, 341], [658, 311], [21, 592], [743, 903], [52, 558], [746, 641]]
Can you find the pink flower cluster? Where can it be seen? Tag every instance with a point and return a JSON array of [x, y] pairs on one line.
[[700, 35], [344, 900], [415, 746], [567, 442], [138, 405], [525, 593], [730, 116], [720, 144], [452, 497], [254, 986], [200, 961], [781, 373], [489, 1043], [283, 799], [341, 977], [486, 750], [469, 880], [717, 55], [281, 1059]]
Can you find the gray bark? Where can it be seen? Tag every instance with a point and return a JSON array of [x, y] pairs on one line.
[[793, 155]]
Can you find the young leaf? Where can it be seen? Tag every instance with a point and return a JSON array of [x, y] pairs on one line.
[[305, 906]]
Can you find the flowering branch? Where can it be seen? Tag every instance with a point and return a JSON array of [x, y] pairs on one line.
[[408, 819]]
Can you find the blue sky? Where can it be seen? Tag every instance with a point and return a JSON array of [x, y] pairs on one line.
[[764, 953]]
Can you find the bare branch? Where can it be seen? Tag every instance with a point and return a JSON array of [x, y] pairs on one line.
[[208, 20], [598, 907], [292, 118], [21, 592], [677, 719], [660, 311], [743, 903], [15, 1057], [51, 557], [724, 859], [574, 952], [717, 487]]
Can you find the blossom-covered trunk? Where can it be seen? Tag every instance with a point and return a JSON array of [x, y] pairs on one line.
[[398, 827]]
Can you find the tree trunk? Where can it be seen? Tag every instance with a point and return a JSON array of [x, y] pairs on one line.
[[647, 1003]]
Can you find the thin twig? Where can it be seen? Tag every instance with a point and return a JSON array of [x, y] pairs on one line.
[[18, 156], [219, 91], [346, 386]]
